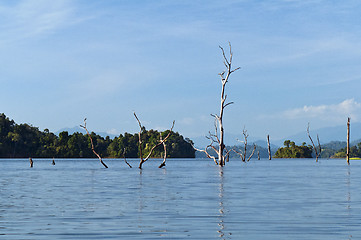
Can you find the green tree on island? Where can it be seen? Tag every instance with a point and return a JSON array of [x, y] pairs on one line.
[[291, 150], [355, 152]]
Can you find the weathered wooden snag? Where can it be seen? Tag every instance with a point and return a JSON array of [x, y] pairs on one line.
[[125, 160], [269, 148], [31, 162], [143, 160], [317, 149], [218, 138], [92, 145]]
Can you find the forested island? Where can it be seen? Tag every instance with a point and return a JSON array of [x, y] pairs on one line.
[[24, 140], [291, 150]]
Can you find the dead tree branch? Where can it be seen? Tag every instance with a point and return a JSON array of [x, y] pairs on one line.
[[125, 159], [31, 162], [165, 151], [92, 145], [206, 152], [317, 149], [243, 154], [143, 160]]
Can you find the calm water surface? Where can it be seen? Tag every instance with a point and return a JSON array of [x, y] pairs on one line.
[[189, 199]]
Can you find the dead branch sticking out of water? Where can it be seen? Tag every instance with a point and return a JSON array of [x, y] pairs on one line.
[[143, 160], [165, 152], [269, 148], [125, 160], [31, 162], [243, 154], [53, 162], [92, 145], [317, 149]]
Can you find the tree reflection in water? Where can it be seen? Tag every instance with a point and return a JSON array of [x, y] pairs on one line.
[[223, 234]]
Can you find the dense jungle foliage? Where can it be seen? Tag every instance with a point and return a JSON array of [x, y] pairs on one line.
[[355, 152], [291, 150], [23, 140]]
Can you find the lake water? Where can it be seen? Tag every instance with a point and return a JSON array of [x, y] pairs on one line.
[[189, 199]]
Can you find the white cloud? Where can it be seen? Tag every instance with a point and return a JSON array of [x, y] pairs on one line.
[[334, 112], [31, 18], [113, 131]]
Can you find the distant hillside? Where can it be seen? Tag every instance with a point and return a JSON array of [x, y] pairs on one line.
[[81, 130], [230, 140], [332, 140], [326, 135], [263, 151]]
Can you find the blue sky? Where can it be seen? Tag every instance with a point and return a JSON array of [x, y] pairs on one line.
[[65, 60]]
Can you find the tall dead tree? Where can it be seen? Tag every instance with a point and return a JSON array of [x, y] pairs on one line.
[[218, 137], [243, 154], [269, 148], [317, 149], [348, 142], [92, 145], [143, 160]]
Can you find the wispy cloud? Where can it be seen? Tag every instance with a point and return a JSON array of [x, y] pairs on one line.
[[31, 18], [333, 112]]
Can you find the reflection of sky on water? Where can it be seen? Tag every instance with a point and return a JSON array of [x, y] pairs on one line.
[[278, 199]]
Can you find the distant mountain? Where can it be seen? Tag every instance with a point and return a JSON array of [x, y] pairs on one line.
[[230, 140], [81, 130], [326, 135]]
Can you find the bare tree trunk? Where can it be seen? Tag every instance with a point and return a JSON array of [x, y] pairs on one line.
[[317, 149], [269, 148], [31, 162], [92, 145], [125, 159], [348, 142], [165, 152], [143, 160], [259, 158]]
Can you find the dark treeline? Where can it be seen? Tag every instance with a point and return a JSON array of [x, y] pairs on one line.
[[24, 140]]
